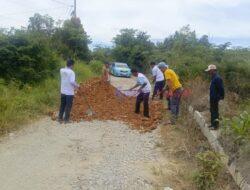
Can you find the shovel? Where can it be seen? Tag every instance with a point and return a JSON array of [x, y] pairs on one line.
[[89, 111]]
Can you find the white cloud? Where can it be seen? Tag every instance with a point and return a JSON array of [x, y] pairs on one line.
[[103, 19]]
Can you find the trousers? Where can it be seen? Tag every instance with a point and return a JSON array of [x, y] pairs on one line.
[[159, 85], [175, 103], [65, 107], [214, 110], [142, 97]]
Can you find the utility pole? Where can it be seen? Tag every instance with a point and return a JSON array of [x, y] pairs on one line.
[[75, 8]]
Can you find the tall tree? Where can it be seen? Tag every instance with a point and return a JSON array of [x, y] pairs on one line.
[[103, 54], [24, 59], [41, 23], [133, 47], [72, 40]]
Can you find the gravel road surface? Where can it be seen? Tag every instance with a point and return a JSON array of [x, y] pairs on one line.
[[78, 156]]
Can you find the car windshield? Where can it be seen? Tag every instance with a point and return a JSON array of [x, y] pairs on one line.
[[121, 65]]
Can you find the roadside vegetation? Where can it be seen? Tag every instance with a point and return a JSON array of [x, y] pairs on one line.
[[189, 55], [210, 166], [185, 52], [30, 59], [19, 105], [193, 163]]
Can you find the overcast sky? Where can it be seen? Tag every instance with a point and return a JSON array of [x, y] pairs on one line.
[[221, 20]]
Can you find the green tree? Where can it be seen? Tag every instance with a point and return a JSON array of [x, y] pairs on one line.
[[24, 59], [103, 54], [189, 55], [72, 40], [133, 47], [185, 52], [41, 23]]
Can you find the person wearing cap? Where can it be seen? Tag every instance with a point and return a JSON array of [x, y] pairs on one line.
[[175, 88], [158, 80], [217, 93], [68, 86], [143, 90]]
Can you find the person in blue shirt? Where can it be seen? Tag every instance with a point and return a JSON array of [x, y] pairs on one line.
[[216, 94]]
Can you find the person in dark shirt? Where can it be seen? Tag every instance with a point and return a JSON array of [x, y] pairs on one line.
[[216, 94]]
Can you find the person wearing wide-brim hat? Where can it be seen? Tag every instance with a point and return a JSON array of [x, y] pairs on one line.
[[216, 94]]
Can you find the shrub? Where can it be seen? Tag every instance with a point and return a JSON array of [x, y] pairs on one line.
[[19, 105], [190, 56], [72, 40], [210, 166], [25, 59], [96, 66], [238, 128], [237, 77]]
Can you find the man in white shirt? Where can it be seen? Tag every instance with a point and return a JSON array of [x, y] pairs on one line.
[[68, 86], [158, 80], [144, 92]]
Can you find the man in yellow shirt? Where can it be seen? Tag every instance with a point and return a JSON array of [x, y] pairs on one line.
[[175, 88]]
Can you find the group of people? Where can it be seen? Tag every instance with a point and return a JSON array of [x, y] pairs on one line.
[[164, 80]]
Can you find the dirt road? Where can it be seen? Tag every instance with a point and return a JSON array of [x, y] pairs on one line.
[[87, 155]]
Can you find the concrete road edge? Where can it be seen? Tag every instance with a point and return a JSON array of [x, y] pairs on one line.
[[212, 137]]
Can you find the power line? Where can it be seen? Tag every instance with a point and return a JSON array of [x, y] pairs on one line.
[[31, 11], [69, 11], [63, 5], [61, 14], [8, 17], [16, 2], [60, 2]]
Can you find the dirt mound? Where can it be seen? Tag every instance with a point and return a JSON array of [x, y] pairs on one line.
[[108, 104]]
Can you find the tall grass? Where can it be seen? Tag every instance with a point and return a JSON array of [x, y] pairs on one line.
[[20, 105], [96, 66]]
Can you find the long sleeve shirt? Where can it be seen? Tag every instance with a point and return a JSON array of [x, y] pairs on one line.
[[217, 92]]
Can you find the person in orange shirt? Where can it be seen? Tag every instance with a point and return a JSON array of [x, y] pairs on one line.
[[175, 88]]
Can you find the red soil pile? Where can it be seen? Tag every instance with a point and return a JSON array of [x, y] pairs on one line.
[[107, 104]]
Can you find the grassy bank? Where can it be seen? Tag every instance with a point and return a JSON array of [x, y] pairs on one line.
[[234, 133], [19, 106]]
